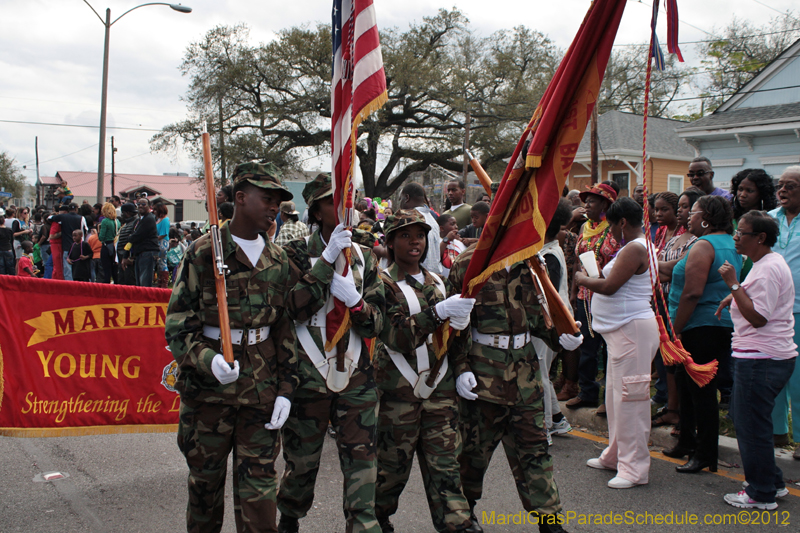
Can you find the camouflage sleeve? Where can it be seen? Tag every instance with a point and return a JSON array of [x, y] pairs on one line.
[[368, 322], [286, 340], [537, 327], [311, 290], [459, 350], [403, 332], [184, 323]]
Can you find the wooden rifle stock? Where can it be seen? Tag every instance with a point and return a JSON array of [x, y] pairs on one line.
[[216, 247], [559, 312]]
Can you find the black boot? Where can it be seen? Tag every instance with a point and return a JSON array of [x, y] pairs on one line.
[[385, 525], [549, 523], [476, 525], [288, 524]]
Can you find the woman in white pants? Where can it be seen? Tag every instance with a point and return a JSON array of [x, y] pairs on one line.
[[623, 315]]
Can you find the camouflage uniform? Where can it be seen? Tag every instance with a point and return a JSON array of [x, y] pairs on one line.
[[352, 412], [216, 418], [408, 424], [509, 407]]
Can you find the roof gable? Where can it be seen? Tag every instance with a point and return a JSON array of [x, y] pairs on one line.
[[619, 132]]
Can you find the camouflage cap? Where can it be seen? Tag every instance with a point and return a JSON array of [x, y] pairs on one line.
[[264, 175], [317, 189], [404, 217]]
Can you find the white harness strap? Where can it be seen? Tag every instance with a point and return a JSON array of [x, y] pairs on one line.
[[423, 363], [353, 352]]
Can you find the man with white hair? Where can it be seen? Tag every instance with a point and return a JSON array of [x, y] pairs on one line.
[[788, 246]]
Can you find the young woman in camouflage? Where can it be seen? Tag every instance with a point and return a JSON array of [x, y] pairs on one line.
[[414, 419], [351, 411], [239, 407]]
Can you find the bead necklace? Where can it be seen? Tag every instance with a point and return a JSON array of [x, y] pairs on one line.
[[783, 245]]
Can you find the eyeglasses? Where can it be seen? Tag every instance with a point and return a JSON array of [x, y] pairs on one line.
[[699, 173], [738, 233], [788, 186], [693, 213]]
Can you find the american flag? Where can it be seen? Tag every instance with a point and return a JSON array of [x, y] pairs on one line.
[[358, 88]]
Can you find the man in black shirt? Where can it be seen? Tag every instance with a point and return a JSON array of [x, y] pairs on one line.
[[70, 220], [145, 244], [7, 263], [130, 217]]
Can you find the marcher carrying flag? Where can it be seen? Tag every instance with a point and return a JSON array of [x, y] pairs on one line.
[[532, 184], [358, 88]]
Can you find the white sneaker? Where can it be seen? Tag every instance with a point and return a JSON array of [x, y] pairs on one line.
[[743, 501], [781, 493], [560, 428], [621, 483], [595, 463]]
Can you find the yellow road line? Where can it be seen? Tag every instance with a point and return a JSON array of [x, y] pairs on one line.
[[658, 455]]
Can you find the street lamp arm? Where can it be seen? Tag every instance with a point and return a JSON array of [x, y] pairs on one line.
[[176, 7], [95, 12]]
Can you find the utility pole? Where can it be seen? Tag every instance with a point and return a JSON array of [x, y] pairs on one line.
[[38, 184], [222, 145], [593, 137], [113, 151]]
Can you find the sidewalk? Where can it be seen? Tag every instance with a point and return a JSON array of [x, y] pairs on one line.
[[660, 438]]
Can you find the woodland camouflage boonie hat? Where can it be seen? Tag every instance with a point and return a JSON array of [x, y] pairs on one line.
[[317, 189], [264, 175], [403, 218]]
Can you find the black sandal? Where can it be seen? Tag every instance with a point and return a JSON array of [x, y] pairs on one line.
[[659, 420]]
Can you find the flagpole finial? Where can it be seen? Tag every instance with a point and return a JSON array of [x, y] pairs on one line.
[[203, 127]]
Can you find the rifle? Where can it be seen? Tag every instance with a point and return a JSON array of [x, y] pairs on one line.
[[220, 267]]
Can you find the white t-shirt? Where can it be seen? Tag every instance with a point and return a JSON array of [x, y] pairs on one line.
[[252, 249], [419, 277]]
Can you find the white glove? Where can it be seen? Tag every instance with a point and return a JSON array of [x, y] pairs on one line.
[[223, 371], [340, 240], [459, 323], [345, 290], [571, 342], [279, 413], [455, 306], [464, 385]]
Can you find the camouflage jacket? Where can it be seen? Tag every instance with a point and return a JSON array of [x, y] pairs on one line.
[[256, 298], [505, 305], [403, 332], [311, 289]]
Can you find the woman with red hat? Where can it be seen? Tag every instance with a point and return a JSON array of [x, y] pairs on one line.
[[594, 236]]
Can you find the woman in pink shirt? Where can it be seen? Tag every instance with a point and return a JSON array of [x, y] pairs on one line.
[[765, 352]]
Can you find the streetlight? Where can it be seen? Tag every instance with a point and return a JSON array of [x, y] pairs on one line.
[[104, 96]]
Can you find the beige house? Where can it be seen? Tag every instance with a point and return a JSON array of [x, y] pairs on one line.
[[620, 154]]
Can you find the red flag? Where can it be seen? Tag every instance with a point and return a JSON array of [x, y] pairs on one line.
[[554, 133], [358, 88]]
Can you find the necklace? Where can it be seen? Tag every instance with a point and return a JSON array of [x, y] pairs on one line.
[[783, 245]]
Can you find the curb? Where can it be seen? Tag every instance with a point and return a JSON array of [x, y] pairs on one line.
[[660, 438]]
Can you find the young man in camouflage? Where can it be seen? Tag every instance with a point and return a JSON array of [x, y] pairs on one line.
[[352, 411], [502, 391], [239, 407], [415, 420]]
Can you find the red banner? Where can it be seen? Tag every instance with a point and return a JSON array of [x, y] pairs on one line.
[[521, 210], [84, 358]]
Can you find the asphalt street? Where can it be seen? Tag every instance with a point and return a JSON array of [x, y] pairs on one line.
[[137, 483]]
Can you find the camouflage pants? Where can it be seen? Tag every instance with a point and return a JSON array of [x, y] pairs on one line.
[[521, 429], [206, 435], [353, 414], [428, 428]]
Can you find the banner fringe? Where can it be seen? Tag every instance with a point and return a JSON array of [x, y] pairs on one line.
[[87, 430]]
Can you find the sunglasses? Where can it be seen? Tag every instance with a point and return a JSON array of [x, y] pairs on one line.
[[788, 186], [699, 173]]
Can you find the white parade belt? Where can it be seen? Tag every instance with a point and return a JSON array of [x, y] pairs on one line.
[[501, 341], [254, 336]]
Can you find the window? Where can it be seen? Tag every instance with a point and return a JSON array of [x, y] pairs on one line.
[[622, 179], [178, 211], [675, 183]]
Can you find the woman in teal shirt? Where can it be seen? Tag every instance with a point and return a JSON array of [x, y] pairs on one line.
[[696, 291], [109, 229]]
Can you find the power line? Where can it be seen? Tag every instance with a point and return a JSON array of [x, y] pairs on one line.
[[84, 103], [775, 10], [73, 125], [738, 37]]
